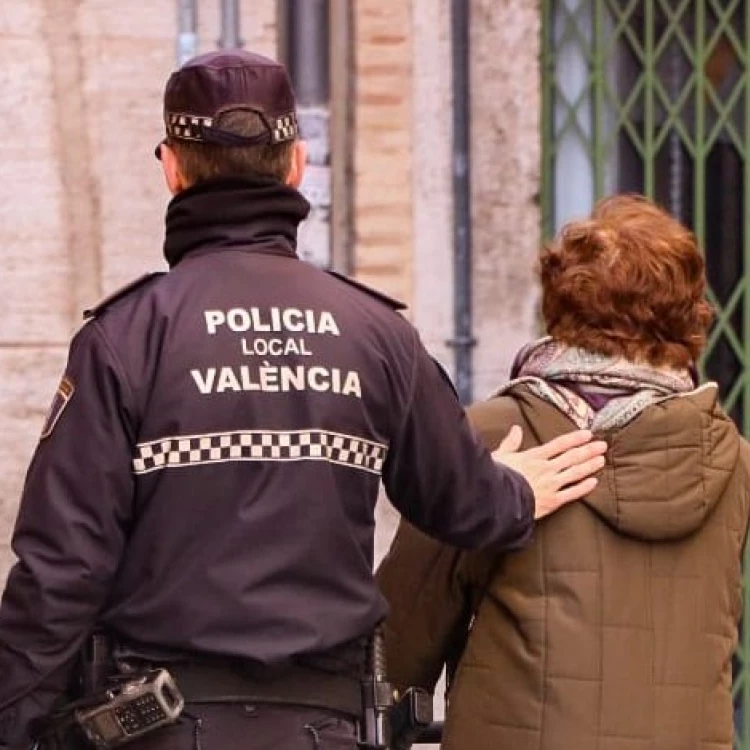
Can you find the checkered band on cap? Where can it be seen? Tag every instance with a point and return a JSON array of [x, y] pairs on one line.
[[190, 127], [187, 127], [259, 445], [285, 128]]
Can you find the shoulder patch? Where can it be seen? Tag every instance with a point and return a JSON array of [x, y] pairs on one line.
[[121, 292], [392, 303], [62, 397]]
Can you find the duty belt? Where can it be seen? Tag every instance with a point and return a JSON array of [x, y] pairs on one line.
[[294, 685]]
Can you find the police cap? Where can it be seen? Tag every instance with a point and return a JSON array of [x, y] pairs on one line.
[[209, 86]]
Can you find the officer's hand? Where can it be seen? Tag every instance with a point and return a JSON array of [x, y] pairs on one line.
[[559, 471]]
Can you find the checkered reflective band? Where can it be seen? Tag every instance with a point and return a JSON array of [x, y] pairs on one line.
[[285, 128], [260, 445], [187, 127]]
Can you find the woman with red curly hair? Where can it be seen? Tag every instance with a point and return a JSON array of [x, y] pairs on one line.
[[615, 629]]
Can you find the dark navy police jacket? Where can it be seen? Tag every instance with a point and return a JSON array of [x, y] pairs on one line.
[[207, 476]]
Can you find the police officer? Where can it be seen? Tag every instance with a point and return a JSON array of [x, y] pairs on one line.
[[204, 487]]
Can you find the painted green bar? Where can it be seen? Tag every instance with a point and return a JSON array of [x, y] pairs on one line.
[[597, 88], [699, 185], [649, 116], [547, 126], [745, 56], [723, 323], [742, 739]]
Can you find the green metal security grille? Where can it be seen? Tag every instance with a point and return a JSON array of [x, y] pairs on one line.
[[653, 96]]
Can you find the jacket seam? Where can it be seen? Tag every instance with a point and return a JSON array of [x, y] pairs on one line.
[[412, 382], [116, 361], [705, 458]]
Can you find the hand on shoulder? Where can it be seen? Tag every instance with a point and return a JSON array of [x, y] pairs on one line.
[[559, 472]]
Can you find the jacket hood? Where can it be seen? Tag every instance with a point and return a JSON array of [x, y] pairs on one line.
[[666, 470]]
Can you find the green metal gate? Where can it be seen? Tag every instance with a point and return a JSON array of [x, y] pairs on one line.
[[653, 96]]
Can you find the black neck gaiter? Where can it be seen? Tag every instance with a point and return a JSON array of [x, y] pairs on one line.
[[235, 213]]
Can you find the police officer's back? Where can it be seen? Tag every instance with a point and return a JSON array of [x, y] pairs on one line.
[[205, 485]]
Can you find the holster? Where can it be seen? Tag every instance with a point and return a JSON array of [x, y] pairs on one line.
[[59, 731], [96, 664], [377, 699]]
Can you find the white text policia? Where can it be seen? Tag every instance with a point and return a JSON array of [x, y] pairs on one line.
[[272, 320]]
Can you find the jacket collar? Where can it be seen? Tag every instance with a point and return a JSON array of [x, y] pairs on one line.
[[235, 213]]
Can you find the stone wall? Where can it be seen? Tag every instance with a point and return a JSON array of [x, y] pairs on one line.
[[432, 217], [82, 199], [506, 164]]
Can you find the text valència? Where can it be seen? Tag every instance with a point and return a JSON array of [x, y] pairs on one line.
[[275, 375]]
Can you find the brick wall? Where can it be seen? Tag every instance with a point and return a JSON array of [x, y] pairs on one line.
[[383, 190]]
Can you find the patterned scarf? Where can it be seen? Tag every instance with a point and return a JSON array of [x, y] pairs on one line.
[[595, 391]]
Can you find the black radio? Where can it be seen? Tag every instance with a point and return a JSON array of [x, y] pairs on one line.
[[131, 710]]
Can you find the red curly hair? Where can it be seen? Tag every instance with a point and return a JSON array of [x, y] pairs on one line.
[[629, 281]]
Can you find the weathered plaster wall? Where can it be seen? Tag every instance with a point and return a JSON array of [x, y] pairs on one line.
[[81, 199]]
